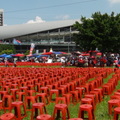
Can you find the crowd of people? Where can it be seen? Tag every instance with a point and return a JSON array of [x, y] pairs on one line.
[[93, 60], [71, 59]]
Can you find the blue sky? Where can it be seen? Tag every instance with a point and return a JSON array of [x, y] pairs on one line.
[[29, 11]]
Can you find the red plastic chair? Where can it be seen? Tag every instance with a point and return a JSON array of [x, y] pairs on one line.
[[42, 97], [74, 96], [112, 104], [60, 100], [21, 96], [29, 101], [44, 90], [31, 92], [44, 117], [68, 98], [7, 116], [86, 108], [14, 93], [116, 113], [87, 101], [101, 96], [75, 119], [38, 109], [63, 109], [19, 110], [1, 105], [7, 102], [2, 93], [55, 92]]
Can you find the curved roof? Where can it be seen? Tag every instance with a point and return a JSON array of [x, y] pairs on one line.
[[24, 29]]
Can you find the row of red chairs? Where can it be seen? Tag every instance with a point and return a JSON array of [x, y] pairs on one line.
[[66, 81], [32, 64], [114, 102]]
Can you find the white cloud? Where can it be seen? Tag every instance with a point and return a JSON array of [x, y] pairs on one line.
[[114, 1], [63, 17], [37, 20]]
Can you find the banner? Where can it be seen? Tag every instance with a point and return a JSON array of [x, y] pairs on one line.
[[32, 48], [16, 42]]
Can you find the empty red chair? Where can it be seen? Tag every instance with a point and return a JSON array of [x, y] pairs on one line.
[[74, 96], [55, 85], [71, 86], [14, 86], [44, 117], [117, 93], [62, 91], [38, 86], [86, 88], [115, 97], [38, 109], [21, 96], [5, 88], [31, 87], [30, 100], [96, 93], [19, 110], [14, 93], [101, 96], [87, 101], [7, 102], [112, 104], [91, 85], [86, 108], [75, 119], [24, 89], [65, 87], [2, 93], [44, 90], [80, 92], [106, 89], [49, 87], [31, 92], [60, 100], [7, 116], [42, 97], [1, 105], [116, 113], [68, 98], [92, 97], [55, 92], [63, 109]]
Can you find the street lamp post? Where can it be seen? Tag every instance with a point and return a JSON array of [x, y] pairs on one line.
[[68, 47]]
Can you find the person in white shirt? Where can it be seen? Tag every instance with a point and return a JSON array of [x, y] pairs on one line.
[[49, 60]]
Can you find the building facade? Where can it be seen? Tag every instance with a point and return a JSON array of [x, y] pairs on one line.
[[1, 17], [56, 34]]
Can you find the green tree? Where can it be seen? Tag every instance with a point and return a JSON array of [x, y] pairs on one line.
[[8, 49], [6, 52], [99, 31]]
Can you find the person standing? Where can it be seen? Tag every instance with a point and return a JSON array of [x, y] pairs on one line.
[[6, 62], [15, 64]]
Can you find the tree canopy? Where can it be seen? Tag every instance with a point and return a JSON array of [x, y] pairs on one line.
[[101, 31], [6, 48]]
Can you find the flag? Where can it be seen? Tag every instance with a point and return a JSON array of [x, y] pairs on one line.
[[16, 42], [51, 50], [32, 48]]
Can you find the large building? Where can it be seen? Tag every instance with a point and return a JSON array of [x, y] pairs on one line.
[[56, 34], [1, 17]]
